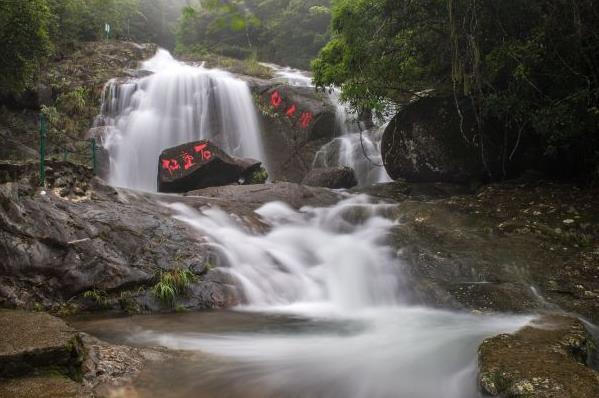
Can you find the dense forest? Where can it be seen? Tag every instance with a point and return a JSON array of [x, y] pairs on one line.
[[527, 70], [289, 32]]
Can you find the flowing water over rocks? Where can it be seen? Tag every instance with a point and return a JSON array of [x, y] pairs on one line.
[[175, 104], [323, 289], [354, 145]]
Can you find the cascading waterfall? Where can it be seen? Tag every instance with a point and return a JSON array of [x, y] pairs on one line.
[[175, 104], [332, 266], [353, 145], [291, 265]]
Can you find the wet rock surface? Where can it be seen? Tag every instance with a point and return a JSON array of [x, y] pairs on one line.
[[546, 359], [45, 386], [41, 356], [331, 177], [517, 246], [105, 248], [296, 122], [34, 342]]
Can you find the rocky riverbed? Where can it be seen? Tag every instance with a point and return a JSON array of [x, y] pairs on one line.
[[79, 245]]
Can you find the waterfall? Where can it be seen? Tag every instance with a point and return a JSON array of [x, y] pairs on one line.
[[353, 145], [342, 325], [331, 257], [175, 104]]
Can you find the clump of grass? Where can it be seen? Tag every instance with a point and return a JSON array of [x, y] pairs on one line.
[[171, 284], [98, 296]]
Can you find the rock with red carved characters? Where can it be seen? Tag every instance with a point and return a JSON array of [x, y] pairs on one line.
[[200, 164]]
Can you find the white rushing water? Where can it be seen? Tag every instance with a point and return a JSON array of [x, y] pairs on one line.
[[177, 103], [353, 146], [331, 264]]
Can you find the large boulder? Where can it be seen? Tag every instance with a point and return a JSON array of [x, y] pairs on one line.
[[430, 141], [331, 177], [296, 122], [201, 164], [424, 143]]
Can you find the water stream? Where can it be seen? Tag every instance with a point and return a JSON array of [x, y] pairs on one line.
[[324, 314]]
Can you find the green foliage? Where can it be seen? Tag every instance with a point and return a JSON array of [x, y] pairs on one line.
[[257, 176], [83, 20], [25, 42], [172, 284], [98, 296], [73, 101], [529, 65], [284, 31]]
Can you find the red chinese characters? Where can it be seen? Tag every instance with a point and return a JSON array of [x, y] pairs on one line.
[[187, 160], [291, 111], [204, 153], [305, 119], [276, 99], [170, 165]]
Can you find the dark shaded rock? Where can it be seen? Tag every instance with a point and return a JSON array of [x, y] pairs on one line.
[[430, 141], [546, 359], [200, 164], [331, 177], [424, 143], [296, 122], [32, 342]]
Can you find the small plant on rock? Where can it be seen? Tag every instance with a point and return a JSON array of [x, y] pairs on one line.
[[98, 296], [172, 284]]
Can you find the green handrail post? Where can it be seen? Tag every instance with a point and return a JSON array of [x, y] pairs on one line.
[[42, 149], [93, 147]]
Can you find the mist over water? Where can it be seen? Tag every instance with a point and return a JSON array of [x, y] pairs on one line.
[[175, 104]]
